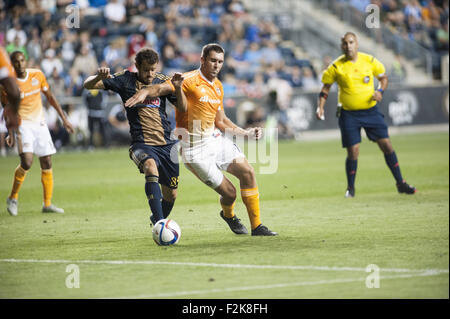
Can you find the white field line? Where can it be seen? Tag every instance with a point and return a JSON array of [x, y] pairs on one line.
[[241, 266], [273, 286]]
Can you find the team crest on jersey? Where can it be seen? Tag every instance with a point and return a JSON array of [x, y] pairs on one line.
[[366, 79], [152, 102], [218, 91], [34, 82]]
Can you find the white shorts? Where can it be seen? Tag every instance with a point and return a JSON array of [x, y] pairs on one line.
[[35, 138], [208, 159]]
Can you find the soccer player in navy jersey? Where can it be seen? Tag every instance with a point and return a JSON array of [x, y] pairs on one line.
[[151, 143]]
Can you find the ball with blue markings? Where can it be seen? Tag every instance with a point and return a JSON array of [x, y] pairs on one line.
[[166, 232]]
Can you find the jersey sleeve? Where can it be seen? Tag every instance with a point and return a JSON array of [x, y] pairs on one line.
[[329, 75], [44, 83], [114, 83], [378, 68]]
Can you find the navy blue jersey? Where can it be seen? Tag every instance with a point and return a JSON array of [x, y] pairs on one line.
[[148, 120]]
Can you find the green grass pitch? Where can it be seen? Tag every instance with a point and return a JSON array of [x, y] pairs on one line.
[[324, 245]]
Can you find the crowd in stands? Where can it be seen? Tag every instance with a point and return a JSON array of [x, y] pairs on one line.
[[423, 21], [70, 39], [110, 32]]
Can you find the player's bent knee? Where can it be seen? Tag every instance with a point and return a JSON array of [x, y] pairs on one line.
[[26, 163], [248, 175], [227, 191]]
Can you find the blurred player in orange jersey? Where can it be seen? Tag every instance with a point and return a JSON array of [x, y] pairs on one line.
[[33, 136], [9, 85], [205, 151]]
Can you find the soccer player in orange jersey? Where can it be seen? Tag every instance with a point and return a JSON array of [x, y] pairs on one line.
[[33, 136], [8, 83], [205, 151]]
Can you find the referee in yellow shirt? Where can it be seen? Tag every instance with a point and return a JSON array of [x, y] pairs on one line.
[[354, 71]]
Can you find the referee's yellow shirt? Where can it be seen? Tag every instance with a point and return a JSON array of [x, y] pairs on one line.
[[355, 80]]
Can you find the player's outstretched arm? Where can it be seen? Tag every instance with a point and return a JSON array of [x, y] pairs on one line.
[[151, 91], [323, 95], [53, 102], [95, 81], [177, 82], [223, 123]]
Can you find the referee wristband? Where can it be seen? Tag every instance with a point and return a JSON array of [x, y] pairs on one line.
[[381, 91], [324, 95]]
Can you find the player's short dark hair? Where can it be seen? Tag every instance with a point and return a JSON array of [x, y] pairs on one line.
[[12, 56], [148, 55], [212, 47]]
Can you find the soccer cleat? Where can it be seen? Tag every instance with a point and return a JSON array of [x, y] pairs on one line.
[[403, 187], [350, 193], [262, 230], [52, 209], [11, 206], [235, 224]]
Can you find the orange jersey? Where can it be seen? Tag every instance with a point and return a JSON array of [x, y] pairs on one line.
[[204, 99], [6, 69], [30, 87]]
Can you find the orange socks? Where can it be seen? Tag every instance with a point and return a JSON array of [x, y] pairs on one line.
[[19, 177], [228, 211], [47, 184], [250, 197]]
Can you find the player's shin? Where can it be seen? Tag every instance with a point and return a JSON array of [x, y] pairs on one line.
[[154, 196], [166, 207], [392, 163], [19, 177], [250, 197], [350, 169]]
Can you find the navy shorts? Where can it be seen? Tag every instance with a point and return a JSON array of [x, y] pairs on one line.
[[168, 170], [351, 122]]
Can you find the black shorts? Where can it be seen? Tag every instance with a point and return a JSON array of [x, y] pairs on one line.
[[351, 122], [168, 170]]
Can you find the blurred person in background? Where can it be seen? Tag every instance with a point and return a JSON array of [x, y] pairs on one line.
[[119, 132], [95, 102], [51, 63], [85, 62], [16, 46], [115, 12]]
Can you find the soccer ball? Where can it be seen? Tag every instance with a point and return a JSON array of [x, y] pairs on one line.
[[166, 232]]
